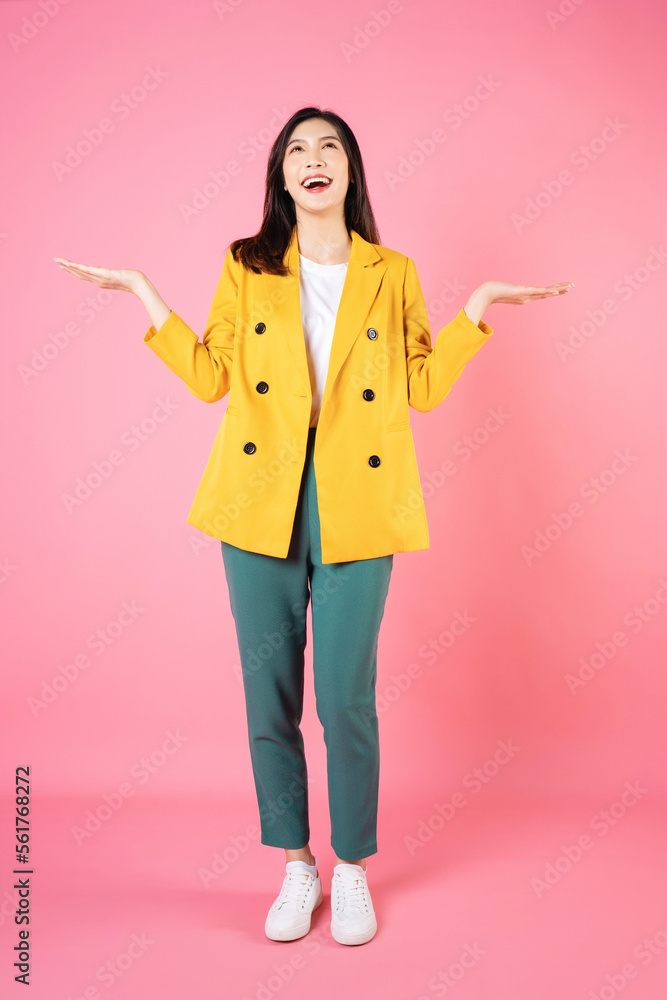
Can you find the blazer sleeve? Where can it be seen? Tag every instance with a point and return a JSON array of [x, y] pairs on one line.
[[433, 370], [205, 367]]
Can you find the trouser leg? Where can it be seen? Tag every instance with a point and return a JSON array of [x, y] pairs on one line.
[[268, 599], [348, 601]]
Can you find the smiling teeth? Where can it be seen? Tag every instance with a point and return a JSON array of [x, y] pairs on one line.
[[311, 180]]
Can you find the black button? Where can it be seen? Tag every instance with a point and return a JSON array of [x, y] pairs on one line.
[[262, 387], [372, 333], [368, 394], [374, 461], [260, 328], [249, 447]]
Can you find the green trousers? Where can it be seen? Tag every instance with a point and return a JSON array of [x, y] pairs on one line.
[[268, 598]]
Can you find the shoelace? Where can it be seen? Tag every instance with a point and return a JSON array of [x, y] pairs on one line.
[[350, 893], [295, 888]]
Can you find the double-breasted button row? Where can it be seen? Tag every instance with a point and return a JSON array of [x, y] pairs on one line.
[[250, 448], [261, 386], [371, 332]]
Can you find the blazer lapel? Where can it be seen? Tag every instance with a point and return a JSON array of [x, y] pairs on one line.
[[365, 271], [362, 281]]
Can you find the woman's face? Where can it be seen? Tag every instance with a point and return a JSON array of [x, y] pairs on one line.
[[315, 148]]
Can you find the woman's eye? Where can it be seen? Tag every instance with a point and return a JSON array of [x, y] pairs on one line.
[[332, 144]]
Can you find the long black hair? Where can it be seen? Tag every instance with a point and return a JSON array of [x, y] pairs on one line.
[[265, 250]]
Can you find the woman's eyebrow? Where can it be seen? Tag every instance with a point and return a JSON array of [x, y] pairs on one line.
[[321, 137]]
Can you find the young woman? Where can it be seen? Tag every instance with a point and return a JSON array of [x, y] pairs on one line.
[[320, 335]]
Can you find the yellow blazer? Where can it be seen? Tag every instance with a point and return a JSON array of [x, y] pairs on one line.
[[368, 489]]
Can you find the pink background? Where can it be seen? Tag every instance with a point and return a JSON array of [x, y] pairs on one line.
[[225, 74]]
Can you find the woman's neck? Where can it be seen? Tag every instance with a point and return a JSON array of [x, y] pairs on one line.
[[326, 244]]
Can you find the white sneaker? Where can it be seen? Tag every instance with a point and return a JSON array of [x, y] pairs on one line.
[[290, 913], [352, 914]]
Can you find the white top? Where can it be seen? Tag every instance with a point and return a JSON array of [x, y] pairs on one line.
[[321, 288]]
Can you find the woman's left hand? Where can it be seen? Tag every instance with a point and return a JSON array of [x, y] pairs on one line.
[[500, 291]]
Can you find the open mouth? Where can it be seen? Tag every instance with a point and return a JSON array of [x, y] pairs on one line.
[[316, 183]]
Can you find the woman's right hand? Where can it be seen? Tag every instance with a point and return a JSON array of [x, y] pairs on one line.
[[122, 280]]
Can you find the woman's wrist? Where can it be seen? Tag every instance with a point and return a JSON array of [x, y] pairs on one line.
[[477, 303], [141, 285], [157, 309]]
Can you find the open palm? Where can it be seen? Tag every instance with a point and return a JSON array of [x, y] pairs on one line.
[[500, 291], [123, 279]]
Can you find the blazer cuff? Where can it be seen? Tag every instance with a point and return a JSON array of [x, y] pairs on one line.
[[481, 328], [163, 333]]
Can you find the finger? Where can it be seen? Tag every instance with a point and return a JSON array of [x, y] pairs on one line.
[[552, 290], [545, 288], [85, 268], [79, 274], [65, 260], [75, 269], [89, 268], [71, 268], [83, 277]]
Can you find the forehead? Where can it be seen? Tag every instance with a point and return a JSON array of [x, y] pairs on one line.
[[313, 128]]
